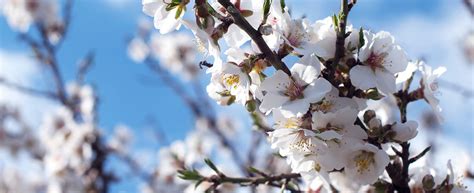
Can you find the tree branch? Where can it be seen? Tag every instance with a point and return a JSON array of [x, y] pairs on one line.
[[256, 36], [341, 33], [417, 157], [28, 90], [272, 180]]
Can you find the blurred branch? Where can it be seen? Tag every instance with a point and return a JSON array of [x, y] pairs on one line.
[[28, 90], [173, 84], [67, 21], [256, 140], [84, 66], [132, 164], [456, 88], [197, 110], [470, 6]]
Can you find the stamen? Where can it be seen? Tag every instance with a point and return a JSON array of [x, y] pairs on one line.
[[363, 161], [376, 60]]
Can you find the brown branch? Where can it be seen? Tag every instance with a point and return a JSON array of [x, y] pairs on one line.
[[256, 36], [398, 172], [341, 33], [417, 157], [272, 180]]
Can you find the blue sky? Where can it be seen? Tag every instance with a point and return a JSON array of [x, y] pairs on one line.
[[131, 95]]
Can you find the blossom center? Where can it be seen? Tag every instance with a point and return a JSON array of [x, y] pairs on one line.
[[291, 123], [323, 106], [231, 80], [364, 160], [301, 142], [201, 47], [376, 60], [294, 91], [434, 86]]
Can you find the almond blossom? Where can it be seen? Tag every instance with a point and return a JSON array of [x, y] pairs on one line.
[[429, 84], [138, 50], [381, 59], [295, 94], [166, 13], [175, 53], [21, 14], [366, 163]]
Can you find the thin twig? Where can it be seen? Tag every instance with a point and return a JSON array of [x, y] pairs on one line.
[[27, 90], [272, 180], [67, 22], [456, 88], [417, 157]]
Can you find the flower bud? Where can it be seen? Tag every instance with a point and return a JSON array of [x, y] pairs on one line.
[[250, 106], [373, 94], [369, 115], [428, 182], [375, 128]]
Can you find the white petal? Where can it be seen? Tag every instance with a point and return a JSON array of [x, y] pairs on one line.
[[316, 91], [271, 101], [150, 7], [383, 42], [363, 77], [396, 60], [235, 37], [297, 107], [385, 81], [276, 83]]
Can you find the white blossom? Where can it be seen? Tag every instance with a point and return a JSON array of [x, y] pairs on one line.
[[405, 131], [21, 14], [295, 94], [166, 13], [176, 53], [332, 102], [138, 50], [206, 44], [381, 59], [365, 163], [429, 84]]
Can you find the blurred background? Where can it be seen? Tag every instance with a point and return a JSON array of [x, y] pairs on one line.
[[438, 31]]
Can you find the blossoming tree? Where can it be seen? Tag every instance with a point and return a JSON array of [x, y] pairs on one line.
[[311, 88]]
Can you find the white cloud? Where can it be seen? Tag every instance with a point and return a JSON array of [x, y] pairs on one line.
[[22, 70]]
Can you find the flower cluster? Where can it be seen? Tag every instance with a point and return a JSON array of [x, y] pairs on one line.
[[21, 14], [322, 123], [175, 52], [68, 136], [181, 154]]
